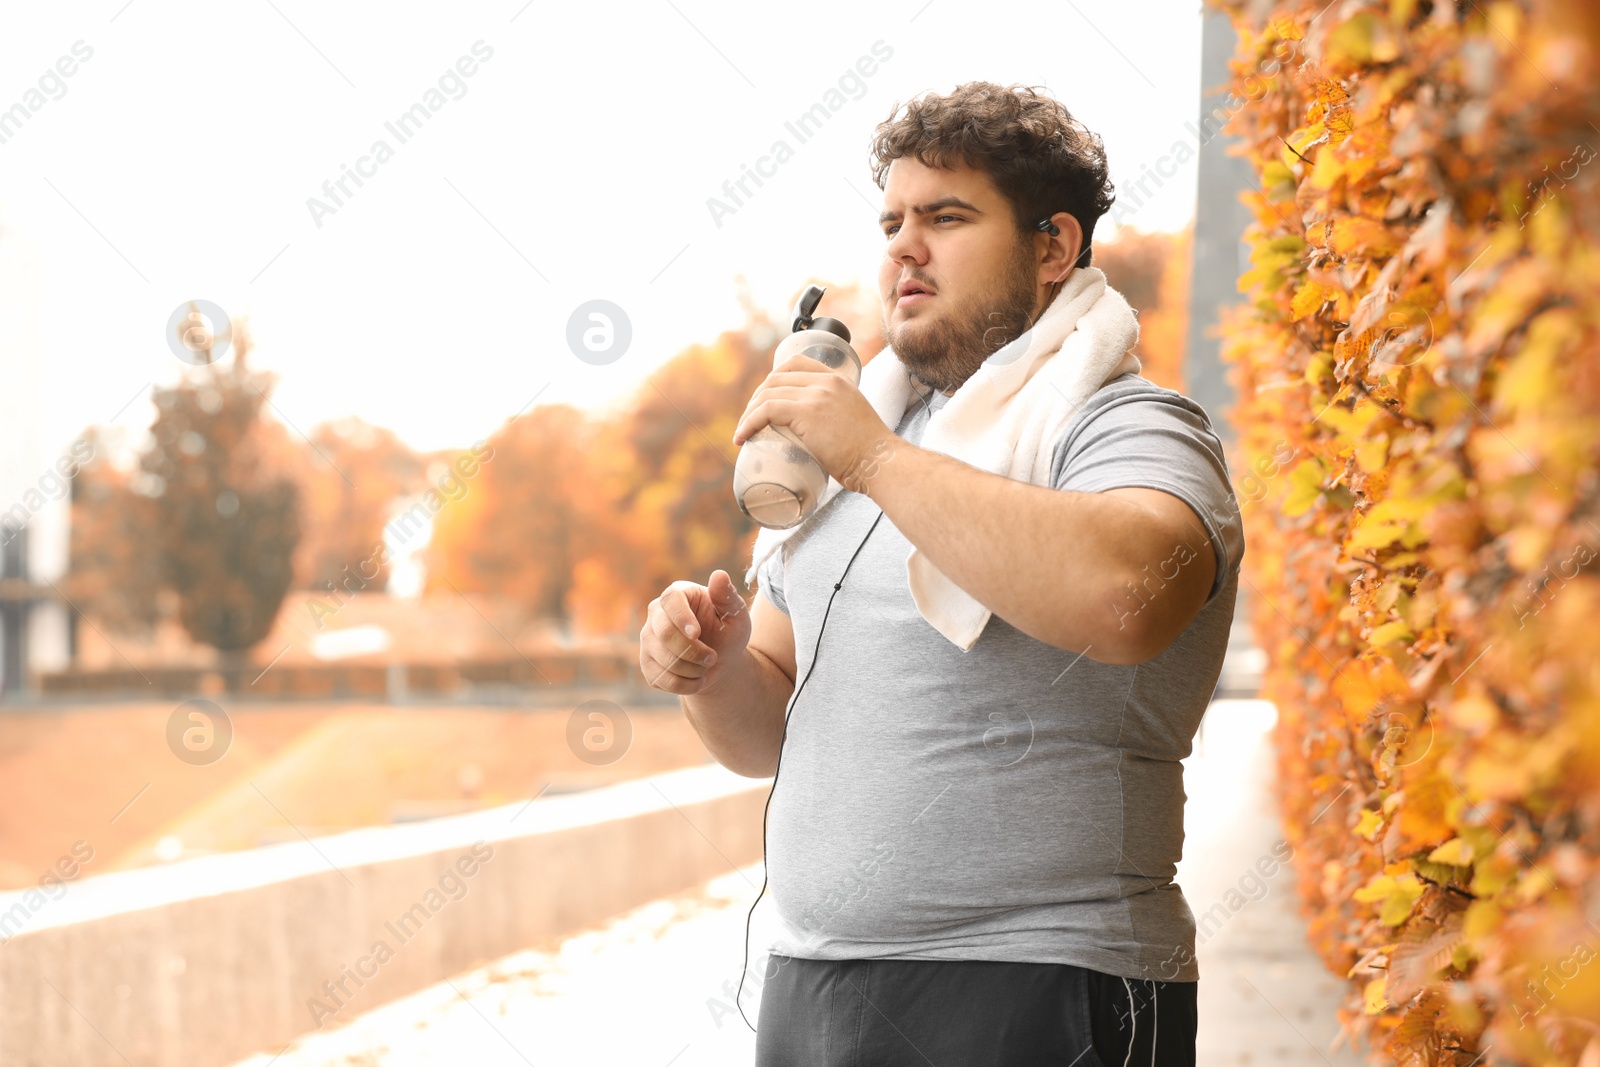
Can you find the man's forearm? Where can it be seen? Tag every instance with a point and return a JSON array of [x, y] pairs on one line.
[[1053, 563], [740, 719]]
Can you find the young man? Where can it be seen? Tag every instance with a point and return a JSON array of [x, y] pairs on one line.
[[972, 849]]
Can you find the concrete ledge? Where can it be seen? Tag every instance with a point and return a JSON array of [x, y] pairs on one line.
[[202, 962]]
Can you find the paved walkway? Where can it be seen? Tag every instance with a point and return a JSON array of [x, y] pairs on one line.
[[1265, 998], [653, 988]]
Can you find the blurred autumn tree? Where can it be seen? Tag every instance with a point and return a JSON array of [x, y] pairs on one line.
[[225, 510], [350, 476], [114, 571], [523, 519], [1151, 270]]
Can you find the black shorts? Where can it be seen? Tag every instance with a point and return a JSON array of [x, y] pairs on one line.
[[957, 1013]]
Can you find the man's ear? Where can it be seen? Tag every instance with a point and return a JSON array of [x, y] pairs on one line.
[[1064, 251]]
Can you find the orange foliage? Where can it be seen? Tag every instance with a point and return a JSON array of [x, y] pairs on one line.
[[1152, 271], [350, 475], [519, 527], [1420, 395]]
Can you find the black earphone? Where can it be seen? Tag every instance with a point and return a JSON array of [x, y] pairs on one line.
[[745, 963]]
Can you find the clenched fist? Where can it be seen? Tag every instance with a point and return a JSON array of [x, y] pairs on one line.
[[691, 634]]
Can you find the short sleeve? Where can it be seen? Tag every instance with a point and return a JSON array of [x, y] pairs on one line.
[[1134, 433], [769, 579]]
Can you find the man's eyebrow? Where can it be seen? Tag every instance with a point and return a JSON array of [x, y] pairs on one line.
[[929, 208]]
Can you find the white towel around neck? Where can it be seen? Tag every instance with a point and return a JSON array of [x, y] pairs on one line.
[[1005, 419]]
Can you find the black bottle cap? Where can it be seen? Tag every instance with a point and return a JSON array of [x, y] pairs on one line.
[[805, 307], [833, 326]]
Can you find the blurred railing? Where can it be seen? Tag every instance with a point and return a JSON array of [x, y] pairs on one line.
[[554, 675], [202, 962]]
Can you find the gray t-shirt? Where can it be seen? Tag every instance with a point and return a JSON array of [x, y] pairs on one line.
[[1016, 801]]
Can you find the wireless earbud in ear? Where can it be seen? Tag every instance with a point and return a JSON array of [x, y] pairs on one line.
[[1046, 226]]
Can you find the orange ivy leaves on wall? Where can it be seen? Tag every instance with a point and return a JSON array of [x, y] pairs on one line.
[[1418, 372]]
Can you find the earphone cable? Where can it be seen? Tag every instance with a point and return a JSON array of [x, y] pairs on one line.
[[779, 765], [744, 968]]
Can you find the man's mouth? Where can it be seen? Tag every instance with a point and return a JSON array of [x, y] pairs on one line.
[[912, 293]]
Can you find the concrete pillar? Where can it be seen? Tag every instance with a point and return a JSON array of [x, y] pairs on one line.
[[1220, 254]]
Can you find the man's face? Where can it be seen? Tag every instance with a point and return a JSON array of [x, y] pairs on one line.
[[951, 232]]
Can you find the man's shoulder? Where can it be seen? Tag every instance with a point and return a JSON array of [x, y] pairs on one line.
[[1130, 396], [1133, 386]]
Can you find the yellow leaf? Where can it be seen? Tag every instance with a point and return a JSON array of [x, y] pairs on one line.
[[1387, 521], [1351, 41], [1395, 895], [1482, 919], [1341, 124], [1529, 380], [1375, 534], [1389, 631], [1375, 890], [1363, 236], [1308, 298], [1376, 1002], [1305, 487], [1278, 180], [1329, 94], [1493, 874], [1372, 454], [1371, 822], [1456, 852], [1327, 168]]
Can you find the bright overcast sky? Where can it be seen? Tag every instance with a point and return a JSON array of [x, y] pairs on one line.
[[573, 164]]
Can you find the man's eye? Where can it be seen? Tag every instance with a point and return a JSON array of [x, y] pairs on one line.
[[889, 231]]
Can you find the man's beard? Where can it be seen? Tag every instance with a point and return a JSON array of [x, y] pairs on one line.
[[944, 353]]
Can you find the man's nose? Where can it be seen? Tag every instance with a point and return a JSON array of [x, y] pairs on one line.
[[904, 246]]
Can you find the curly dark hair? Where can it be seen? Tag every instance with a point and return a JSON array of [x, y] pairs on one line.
[[1040, 158]]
